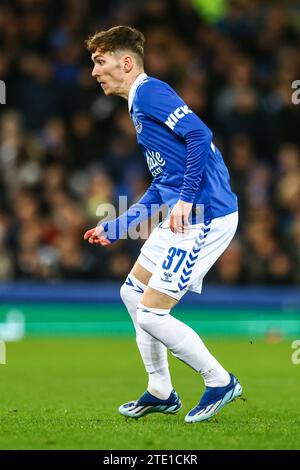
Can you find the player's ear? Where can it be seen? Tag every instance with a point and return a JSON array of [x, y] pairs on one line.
[[127, 63]]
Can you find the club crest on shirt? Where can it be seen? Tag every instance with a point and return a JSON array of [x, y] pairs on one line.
[[137, 124], [155, 162]]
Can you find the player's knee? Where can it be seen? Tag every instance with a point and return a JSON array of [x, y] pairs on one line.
[[143, 319], [131, 291], [125, 294]]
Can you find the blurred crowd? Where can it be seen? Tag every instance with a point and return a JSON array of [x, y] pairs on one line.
[[65, 148]]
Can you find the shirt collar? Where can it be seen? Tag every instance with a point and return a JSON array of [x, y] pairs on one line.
[[133, 88]]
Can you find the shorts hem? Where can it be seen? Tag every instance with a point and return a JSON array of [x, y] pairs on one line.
[[146, 262]]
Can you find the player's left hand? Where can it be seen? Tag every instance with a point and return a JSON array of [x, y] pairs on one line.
[[179, 220], [95, 238]]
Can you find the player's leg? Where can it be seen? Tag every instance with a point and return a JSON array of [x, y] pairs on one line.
[[168, 284], [184, 343], [153, 352], [153, 316], [160, 395]]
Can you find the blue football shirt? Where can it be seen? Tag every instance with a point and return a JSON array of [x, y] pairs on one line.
[[181, 156]]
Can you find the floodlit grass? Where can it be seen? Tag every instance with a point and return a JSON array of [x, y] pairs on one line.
[[64, 394]]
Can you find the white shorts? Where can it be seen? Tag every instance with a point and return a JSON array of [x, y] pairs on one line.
[[179, 262]]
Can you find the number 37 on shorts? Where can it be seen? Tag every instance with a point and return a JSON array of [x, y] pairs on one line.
[[179, 263]]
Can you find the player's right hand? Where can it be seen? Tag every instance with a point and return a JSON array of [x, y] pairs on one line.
[[94, 236]]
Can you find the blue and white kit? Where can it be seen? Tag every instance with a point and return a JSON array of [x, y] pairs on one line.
[[187, 166]]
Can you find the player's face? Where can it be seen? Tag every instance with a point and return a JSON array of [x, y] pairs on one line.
[[108, 72]]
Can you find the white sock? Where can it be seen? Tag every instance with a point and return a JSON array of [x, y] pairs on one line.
[[153, 352], [159, 383], [183, 342]]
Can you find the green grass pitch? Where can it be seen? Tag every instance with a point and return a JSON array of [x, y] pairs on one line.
[[64, 393]]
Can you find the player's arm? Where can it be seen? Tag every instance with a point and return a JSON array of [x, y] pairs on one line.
[[112, 230], [165, 106]]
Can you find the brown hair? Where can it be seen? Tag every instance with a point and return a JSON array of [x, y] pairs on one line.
[[118, 38]]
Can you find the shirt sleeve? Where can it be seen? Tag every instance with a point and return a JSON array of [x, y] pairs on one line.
[[162, 104], [198, 146], [142, 210]]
